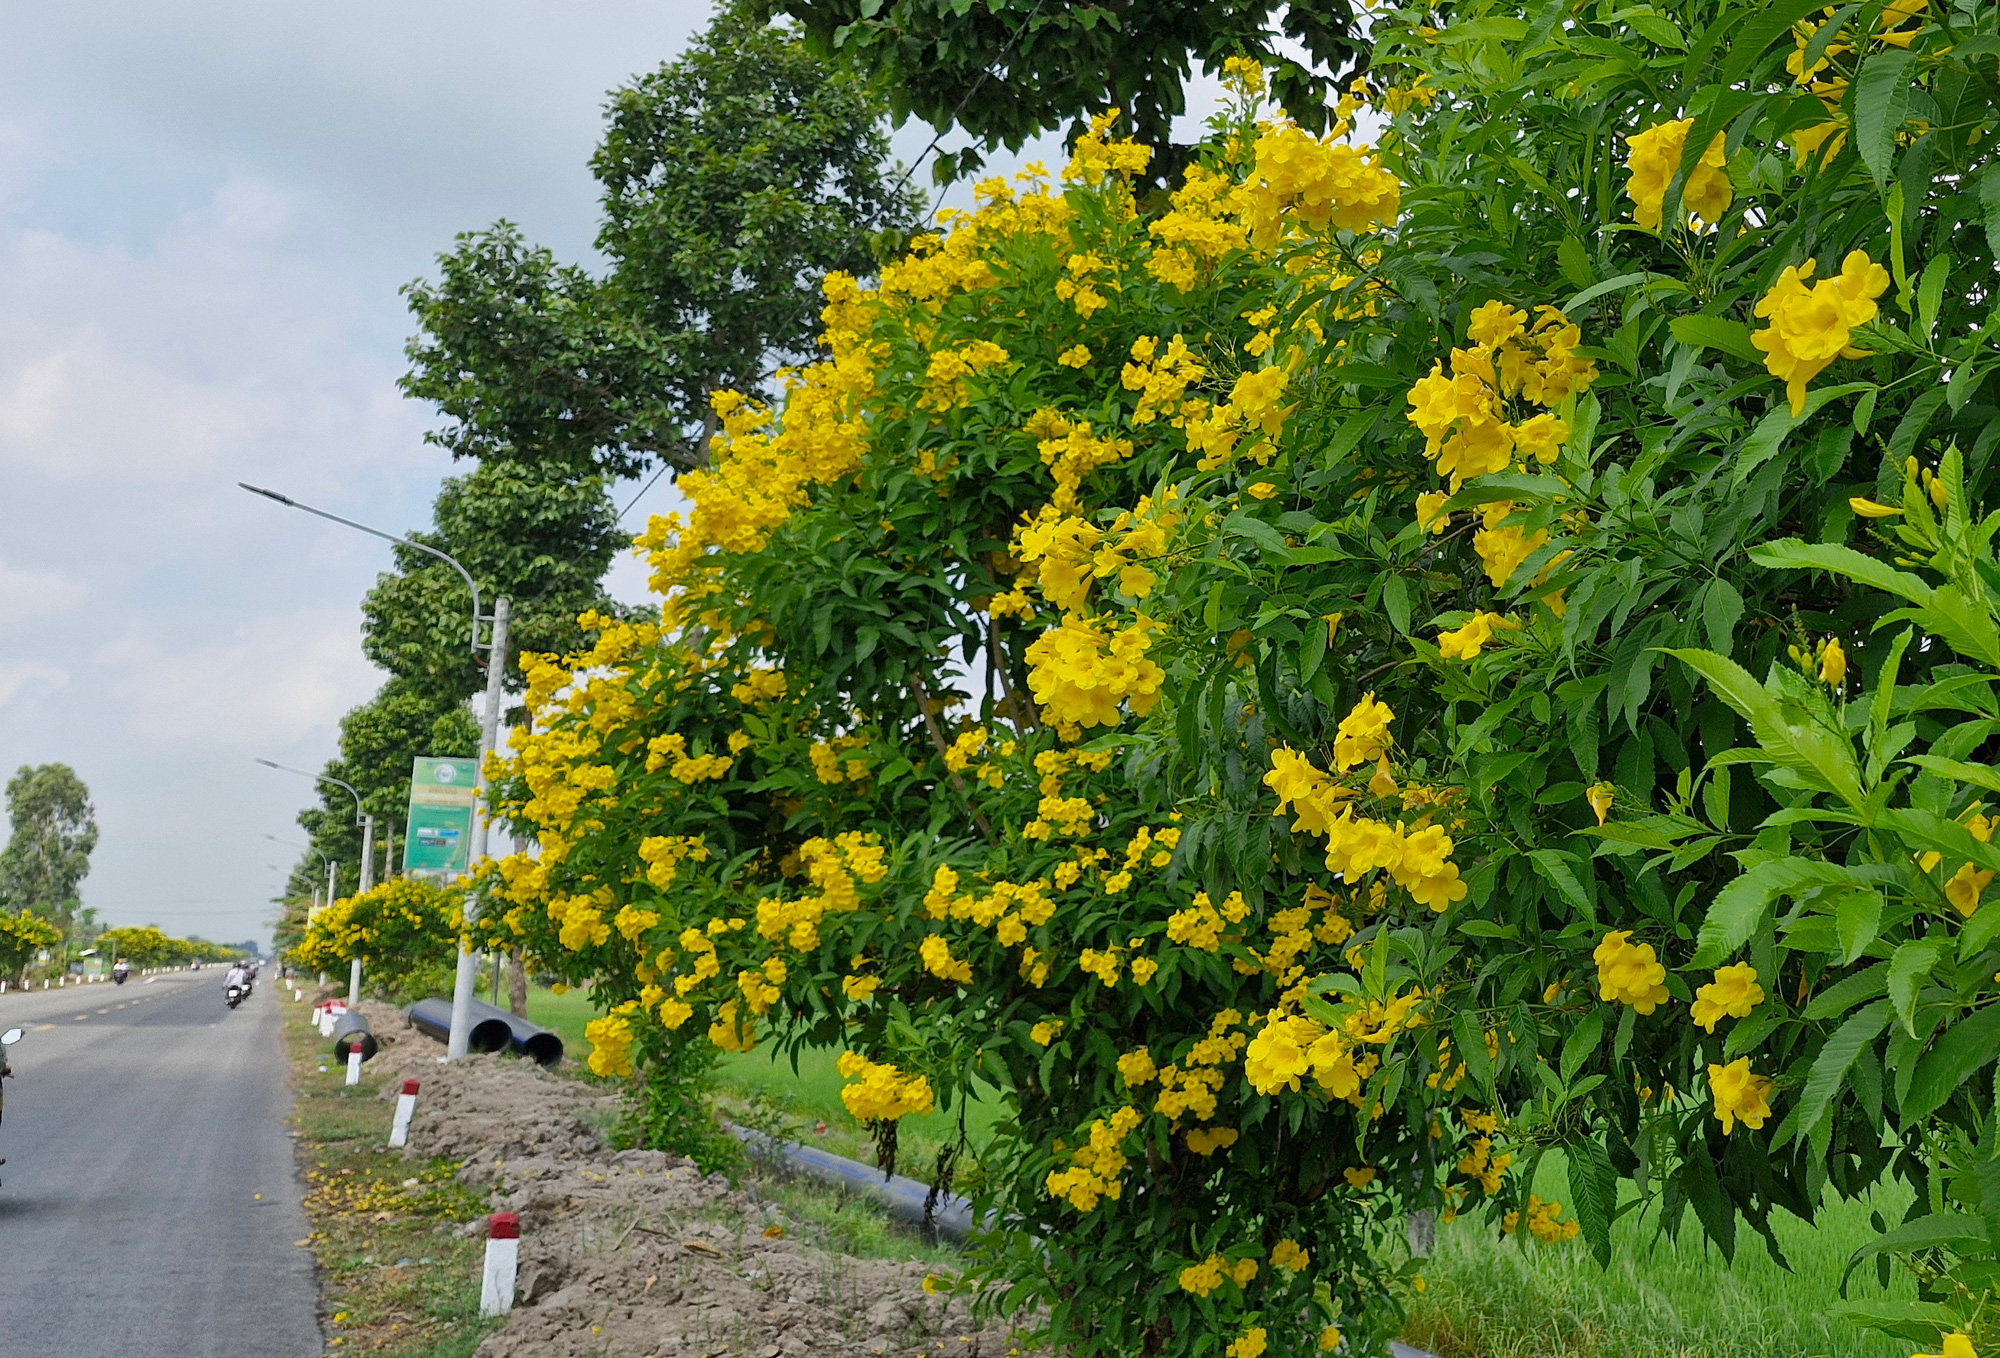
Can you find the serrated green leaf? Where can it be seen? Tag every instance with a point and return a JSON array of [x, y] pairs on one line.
[[1881, 107], [1954, 1058], [1909, 967], [1835, 1059], [1717, 332]]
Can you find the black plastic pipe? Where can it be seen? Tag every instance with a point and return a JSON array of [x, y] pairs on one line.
[[493, 1030], [432, 1018], [350, 1033], [900, 1196]]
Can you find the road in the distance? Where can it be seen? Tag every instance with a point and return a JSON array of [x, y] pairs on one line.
[[149, 1206]]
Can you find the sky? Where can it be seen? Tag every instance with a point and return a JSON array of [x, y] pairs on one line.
[[206, 212]]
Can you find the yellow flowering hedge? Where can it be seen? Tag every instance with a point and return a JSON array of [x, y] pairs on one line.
[[405, 932], [1226, 673]]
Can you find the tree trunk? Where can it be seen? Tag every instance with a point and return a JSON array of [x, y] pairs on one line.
[[517, 985]]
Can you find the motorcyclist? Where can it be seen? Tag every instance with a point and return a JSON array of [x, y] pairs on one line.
[[120, 970], [235, 976]]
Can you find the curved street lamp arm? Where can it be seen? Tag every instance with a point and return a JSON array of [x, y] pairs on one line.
[[321, 778], [470, 583]]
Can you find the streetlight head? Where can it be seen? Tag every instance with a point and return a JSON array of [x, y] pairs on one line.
[[267, 494], [267, 764]]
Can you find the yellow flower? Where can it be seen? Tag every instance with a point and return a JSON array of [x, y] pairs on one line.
[[1956, 1345], [1430, 512], [1288, 1255], [1964, 888], [1629, 973], [1832, 664], [1810, 327], [1136, 1068], [1733, 993], [1248, 1344], [1601, 796], [1262, 490], [1478, 631], [1075, 356], [1739, 1096], [1329, 1339], [1868, 509], [1655, 158]]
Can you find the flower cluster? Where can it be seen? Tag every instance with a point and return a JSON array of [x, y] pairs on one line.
[[881, 1093]]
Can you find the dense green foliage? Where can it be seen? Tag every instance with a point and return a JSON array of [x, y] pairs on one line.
[[1008, 70], [54, 829], [734, 178]]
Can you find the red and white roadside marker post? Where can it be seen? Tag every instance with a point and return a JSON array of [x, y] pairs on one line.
[[503, 1257], [354, 1059], [406, 1107]]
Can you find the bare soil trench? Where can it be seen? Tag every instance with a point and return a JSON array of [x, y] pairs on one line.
[[637, 1254]]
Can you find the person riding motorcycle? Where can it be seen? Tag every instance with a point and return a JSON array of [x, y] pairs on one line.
[[120, 970], [235, 976]]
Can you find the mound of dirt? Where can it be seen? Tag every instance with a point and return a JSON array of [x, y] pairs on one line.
[[637, 1254]]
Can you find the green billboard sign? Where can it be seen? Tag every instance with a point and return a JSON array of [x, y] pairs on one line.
[[439, 834]]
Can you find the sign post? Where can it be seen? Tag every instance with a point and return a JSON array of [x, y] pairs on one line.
[[439, 836]]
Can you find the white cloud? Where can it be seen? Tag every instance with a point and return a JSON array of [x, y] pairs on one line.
[[28, 594], [16, 676]]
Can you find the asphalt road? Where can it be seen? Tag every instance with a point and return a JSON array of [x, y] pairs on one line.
[[149, 1204]]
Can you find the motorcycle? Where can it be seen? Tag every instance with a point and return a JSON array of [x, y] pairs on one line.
[[7, 1039], [119, 973], [234, 995]]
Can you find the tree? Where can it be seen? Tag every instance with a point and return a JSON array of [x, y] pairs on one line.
[[22, 935], [735, 178], [54, 831], [1006, 70]]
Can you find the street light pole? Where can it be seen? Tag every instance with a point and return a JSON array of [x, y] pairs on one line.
[[466, 983], [367, 824]]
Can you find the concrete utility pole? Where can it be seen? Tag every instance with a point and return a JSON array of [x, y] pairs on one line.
[[465, 986]]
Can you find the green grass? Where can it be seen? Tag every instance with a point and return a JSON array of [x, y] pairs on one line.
[[1489, 1298], [390, 1283], [564, 1015], [756, 1085]]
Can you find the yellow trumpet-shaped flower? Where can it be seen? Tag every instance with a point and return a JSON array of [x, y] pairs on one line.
[[1739, 1095]]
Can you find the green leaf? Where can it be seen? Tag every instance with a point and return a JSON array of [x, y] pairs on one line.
[[1396, 602], [1952, 1060], [1738, 908], [1974, 775], [1909, 967], [1555, 869], [1844, 994], [1472, 1049], [1784, 730], [1835, 1059], [1881, 107], [1989, 202], [1582, 1043], [1595, 1189], [1747, 34], [1256, 530], [1623, 280], [1717, 332], [1856, 921], [1721, 610]]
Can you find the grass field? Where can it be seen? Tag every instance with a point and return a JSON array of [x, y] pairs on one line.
[[755, 1085], [1660, 1298], [1485, 1297]]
